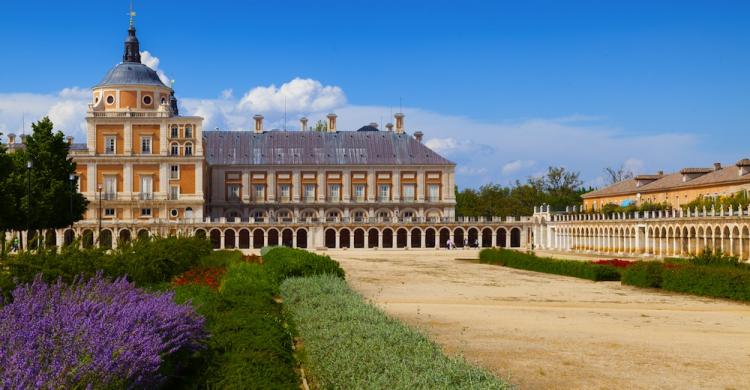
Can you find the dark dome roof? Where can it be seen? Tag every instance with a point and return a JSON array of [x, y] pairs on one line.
[[368, 128], [131, 73]]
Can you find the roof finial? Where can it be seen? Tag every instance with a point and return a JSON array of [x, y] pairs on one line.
[[132, 13]]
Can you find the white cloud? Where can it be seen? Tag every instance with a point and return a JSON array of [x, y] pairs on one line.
[[515, 166], [296, 96], [66, 109], [152, 62]]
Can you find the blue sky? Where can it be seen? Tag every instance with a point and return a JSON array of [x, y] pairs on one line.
[[504, 89]]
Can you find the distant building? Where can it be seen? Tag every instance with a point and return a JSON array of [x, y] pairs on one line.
[[676, 189]]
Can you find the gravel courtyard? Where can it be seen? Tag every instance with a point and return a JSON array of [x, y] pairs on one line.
[[544, 331]]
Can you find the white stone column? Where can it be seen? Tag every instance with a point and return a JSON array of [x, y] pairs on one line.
[[163, 147], [128, 138], [128, 179]]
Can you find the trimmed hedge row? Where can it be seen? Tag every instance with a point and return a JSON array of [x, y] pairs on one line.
[[349, 344], [530, 262], [282, 263], [710, 281]]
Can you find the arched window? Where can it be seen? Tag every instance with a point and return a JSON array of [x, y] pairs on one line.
[[359, 216], [174, 149], [188, 148]]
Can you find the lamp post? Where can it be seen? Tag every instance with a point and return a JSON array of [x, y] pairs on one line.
[[29, 165], [72, 178], [99, 190]]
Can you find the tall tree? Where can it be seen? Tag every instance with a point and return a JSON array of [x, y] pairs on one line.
[[6, 195], [619, 174], [47, 197]]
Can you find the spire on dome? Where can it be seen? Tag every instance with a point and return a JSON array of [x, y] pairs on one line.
[[132, 47]]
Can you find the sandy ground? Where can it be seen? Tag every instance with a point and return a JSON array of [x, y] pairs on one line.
[[544, 331]]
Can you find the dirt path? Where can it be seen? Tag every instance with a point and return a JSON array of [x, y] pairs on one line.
[[552, 332]]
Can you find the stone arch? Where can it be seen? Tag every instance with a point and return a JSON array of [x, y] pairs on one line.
[[330, 238], [50, 238], [372, 238], [259, 215], [273, 237], [345, 238], [287, 238], [301, 238], [383, 214], [433, 215], [359, 238], [416, 238], [409, 214], [735, 241], [215, 236], [359, 215], [502, 237], [284, 215], [429, 238], [259, 238], [387, 238], [229, 239], [473, 236], [515, 237], [445, 235], [200, 233], [87, 239], [486, 237], [333, 214], [401, 238], [144, 234], [312, 214], [105, 239], [458, 237], [68, 237], [124, 236], [244, 239], [745, 247]]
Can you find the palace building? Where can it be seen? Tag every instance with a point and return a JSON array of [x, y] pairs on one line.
[[676, 189]]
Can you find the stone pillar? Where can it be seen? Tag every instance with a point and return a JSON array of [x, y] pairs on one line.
[[221, 240], [127, 146]]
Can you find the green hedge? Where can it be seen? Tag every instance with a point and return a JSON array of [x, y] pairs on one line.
[[282, 263], [531, 262], [249, 347], [349, 344], [646, 274]]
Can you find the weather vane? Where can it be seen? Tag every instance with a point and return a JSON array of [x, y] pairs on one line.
[[131, 13]]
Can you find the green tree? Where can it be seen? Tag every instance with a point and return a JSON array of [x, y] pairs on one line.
[[320, 126], [6, 196], [54, 201]]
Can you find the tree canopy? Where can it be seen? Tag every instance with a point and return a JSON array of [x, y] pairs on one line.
[[558, 188]]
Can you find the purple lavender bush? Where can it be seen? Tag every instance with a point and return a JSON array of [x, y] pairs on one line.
[[91, 334]]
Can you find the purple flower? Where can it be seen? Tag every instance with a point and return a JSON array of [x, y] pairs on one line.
[[91, 333]]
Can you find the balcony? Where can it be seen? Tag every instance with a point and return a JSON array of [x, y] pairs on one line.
[[308, 199], [333, 199], [108, 196], [359, 199], [284, 199], [173, 196], [433, 199], [384, 199], [146, 196], [408, 199]]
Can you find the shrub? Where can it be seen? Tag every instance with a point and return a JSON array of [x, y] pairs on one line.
[[282, 263], [617, 263], [646, 274], [349, 344], [531, 262], [711, 281], [249, 346], [91, 334]]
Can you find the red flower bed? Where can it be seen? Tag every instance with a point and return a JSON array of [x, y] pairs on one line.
[[206, 276], [617, 263], [252, 259]]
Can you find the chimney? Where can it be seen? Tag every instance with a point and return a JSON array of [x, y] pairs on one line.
[[389, 126], [69, 139], [660, 173], [331, 122], [303, 123], [399, 122], [373, 124], [418, 136], [717, 166], [23, 138], [258, 123], [11, 139]]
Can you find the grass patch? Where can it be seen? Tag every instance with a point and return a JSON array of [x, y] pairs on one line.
[[530, 262], [349, 344]]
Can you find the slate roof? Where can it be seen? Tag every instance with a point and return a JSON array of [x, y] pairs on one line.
[[317, 148], [131, 73], [674, 181]]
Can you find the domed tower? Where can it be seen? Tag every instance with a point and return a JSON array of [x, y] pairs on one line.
[[143, 161]]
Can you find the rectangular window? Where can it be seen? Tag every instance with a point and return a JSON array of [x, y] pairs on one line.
[[384, 192], [408, 194], [109, 212], [284, 192], [233, 192], [433, 192], [309, 192], [146, 145], [174, 192], [260, 192], [145, 212], [175, 132], [147, 187], [110, 144], [359, 192], [334, 192], [174, 150], [174, 172], [188, 149], [188, 131], [110, 187]]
